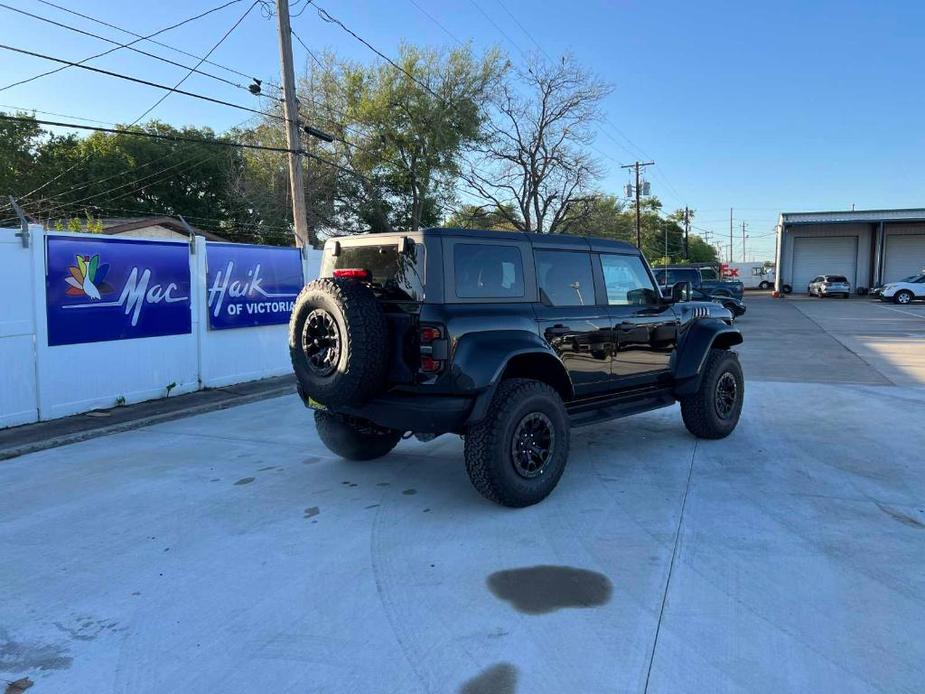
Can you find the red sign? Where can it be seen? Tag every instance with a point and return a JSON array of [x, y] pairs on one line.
[[728, 272]]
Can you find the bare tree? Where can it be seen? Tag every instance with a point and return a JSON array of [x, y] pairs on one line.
[[532, 163]]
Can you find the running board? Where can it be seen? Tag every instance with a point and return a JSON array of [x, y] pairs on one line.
[[600, 409]]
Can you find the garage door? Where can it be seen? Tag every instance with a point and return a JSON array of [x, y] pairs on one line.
[[905, 255], [824, 255]]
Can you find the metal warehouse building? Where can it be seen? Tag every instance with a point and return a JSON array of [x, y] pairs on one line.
[[869, 247]]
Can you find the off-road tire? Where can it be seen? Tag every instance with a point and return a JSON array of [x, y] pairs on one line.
[[362, 358], [354, 439], [700, 411], [906, 294], [488, 454]]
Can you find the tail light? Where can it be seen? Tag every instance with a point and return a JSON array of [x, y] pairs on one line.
[[433, 349], [355, 273]]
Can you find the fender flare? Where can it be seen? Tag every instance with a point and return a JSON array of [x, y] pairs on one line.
[[480, 359], [702, 336]]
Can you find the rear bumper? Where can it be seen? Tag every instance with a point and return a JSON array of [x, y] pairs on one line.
[[431, 414]]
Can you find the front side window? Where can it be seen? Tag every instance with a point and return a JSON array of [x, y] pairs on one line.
[[565, 278], [485, 271], [627, 282]]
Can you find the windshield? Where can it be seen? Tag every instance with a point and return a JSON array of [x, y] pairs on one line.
[[396, 276], [912, 278]]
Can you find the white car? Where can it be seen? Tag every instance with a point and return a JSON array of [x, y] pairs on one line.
[[829, 285], [905, 290]]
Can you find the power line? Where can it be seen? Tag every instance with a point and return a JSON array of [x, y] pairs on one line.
[[201, 61], [26, 109], [524, 30], [121, 45], [158, 175], [138, 80], [437, 22], [148, 38], [500, 30], [328, 17], [141, 133], [111, 50]]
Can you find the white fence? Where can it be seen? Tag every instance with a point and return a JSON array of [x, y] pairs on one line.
[[40, 382]]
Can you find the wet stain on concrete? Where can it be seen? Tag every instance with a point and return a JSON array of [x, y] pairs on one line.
[[372, 506], [268, 467], [498, 679], [426, 510], [311, 511], [410, 492], [542, 589], [311, 460], [216, 479], [244, 480], [19, 686], [30, 655], [86, 628], [900, 517], [383, 484]]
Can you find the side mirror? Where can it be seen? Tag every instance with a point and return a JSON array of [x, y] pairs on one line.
[[680, 292]]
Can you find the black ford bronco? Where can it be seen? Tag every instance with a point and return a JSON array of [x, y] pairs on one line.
[[508, 339]]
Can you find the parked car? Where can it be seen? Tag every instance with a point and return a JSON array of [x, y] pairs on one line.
[[905, 290], [735, 306], [669, 276], [507, 339], [829, 285]]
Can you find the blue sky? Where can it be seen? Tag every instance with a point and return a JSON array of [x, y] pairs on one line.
[[758, 106]]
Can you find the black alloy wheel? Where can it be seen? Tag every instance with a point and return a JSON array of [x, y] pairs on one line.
[[724, 399], [321, 342], [533, 444]]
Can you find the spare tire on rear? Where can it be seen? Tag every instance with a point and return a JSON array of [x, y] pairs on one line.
[[338, 342]]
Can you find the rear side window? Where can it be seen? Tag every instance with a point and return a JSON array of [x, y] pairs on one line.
[[485, 271], [565, 278]]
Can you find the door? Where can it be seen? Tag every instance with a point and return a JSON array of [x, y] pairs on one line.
[[904, 256], [645, 328], [574, 325], [824, 255]]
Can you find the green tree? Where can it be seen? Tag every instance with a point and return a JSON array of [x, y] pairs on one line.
[[482, 217], [399, 135]]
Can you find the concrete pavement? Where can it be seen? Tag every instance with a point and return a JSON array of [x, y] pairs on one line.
[[230, 552]]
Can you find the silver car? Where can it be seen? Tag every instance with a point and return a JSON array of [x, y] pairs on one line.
[[829, 285]]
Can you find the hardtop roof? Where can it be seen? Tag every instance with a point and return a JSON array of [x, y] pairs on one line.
[[560, 241]]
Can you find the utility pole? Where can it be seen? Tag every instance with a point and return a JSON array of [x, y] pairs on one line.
[[303, 236], [743, 241], [636, 165], [687, 232], [730, 234]]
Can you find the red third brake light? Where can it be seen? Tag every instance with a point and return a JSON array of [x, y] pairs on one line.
[[355, 273]]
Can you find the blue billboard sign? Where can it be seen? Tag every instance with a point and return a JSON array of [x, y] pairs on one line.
[[251, 285], [101, 289]]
